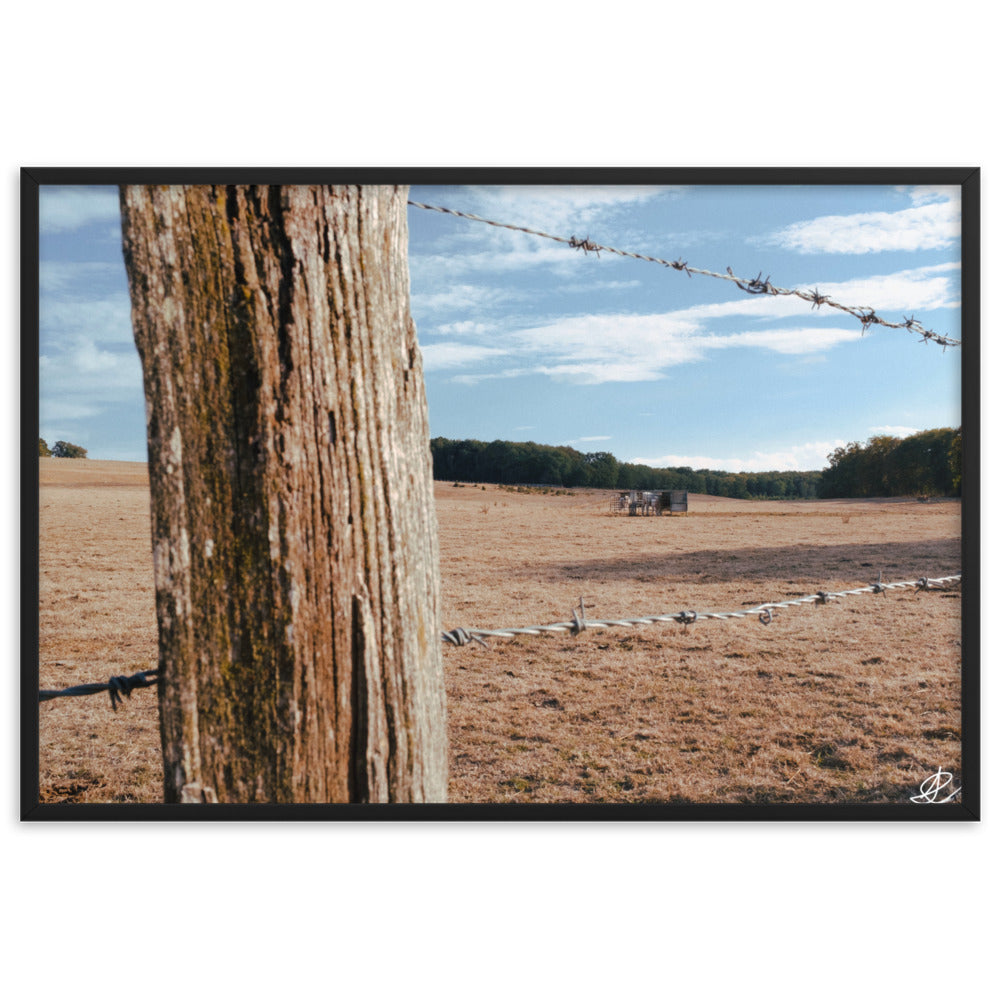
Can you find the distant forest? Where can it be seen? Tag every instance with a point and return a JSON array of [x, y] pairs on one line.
[[527, 462], [926, 463]]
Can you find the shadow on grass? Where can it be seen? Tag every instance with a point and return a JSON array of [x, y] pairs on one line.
[[859, 562]]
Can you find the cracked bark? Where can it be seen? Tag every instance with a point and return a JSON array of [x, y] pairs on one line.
[[294, 535]]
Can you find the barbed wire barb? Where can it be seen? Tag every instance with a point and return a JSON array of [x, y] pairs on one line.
[[115, 686], [753, 286]]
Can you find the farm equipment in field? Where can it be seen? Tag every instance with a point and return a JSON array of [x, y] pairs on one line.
[[645, 503]]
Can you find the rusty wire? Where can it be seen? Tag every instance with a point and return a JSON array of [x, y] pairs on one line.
[[765, 613], [115, 686], [866, 315]]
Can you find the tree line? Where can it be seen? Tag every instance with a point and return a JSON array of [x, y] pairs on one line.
[[923, 464], [61, 449], [929, 462], [561, 465]]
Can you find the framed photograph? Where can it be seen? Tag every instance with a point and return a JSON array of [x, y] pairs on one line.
[[500, 494]]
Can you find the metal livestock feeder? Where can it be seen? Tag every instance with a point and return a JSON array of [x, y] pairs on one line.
[[645, 503]]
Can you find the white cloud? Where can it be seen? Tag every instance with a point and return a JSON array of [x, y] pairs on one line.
[[894, 431], [79, 368], [923, 194], [428, 268], [935, 286], [914, 290], [465, 327], [560, 210], [607, 335], [588, 439], [600, 286], [55, 277], [592, 349], [783, 340], [600, 352], [449, 354], [62, 409], [66, 208], [477, 377], [456, 297], [933, 222], [794, 458], [598, 372], [558, 205], [78, 381], [106, 319]]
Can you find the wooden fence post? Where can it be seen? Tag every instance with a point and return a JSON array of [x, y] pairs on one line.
[[294, 533]]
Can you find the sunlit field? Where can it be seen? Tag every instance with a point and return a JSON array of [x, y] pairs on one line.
[[857, 700]]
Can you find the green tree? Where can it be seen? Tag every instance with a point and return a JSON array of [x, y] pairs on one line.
[[43, 448], [63, 449], [955, 462], [880, 473], [843, 476], [602, 470], [887, 466]]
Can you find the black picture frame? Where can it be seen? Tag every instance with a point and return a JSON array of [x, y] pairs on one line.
[[32, 179]]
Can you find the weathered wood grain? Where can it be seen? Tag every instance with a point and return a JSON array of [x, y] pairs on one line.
[[294, 535]]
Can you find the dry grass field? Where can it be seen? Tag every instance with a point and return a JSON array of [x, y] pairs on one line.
[[853, 701]]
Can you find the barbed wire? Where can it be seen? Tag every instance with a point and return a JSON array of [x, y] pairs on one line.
[[765, 613], [115, 686], [121, 684], [866, 315]]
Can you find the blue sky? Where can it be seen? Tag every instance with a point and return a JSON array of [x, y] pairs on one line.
[[526, 339]]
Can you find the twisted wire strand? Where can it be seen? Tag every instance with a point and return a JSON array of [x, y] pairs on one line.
[[753, 286], [116, 686], [124, 685], [764, 612]]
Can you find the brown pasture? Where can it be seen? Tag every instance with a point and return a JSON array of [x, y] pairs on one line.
[[853, 701]]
